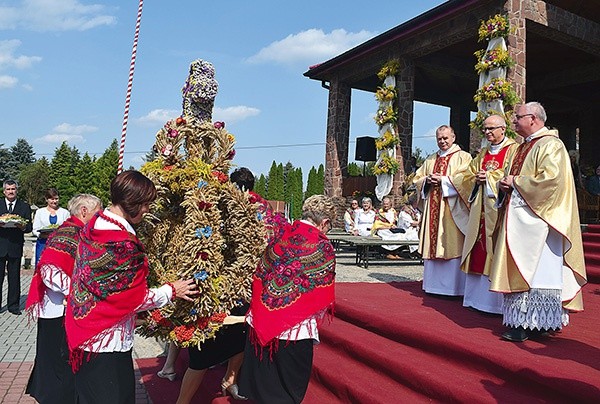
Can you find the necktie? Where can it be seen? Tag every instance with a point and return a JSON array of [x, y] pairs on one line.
[[10, 207]]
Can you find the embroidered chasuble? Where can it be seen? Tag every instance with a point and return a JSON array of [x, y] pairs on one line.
[[545, 199], [478, 247], [444, 218]]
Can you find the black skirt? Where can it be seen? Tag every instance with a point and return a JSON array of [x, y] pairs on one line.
[[106, 378], [278, 377], [229, 341], [52, 380]]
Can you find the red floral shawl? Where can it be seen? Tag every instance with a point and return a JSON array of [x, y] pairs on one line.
[[294, 281], [60, 252], [107, 286]]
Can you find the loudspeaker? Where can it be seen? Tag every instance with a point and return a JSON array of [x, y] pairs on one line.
[[365, 149]]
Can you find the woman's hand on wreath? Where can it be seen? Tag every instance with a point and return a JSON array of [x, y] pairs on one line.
[[185, 289]]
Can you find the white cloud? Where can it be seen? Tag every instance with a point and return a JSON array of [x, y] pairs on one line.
[[234, 114], [8, 59], [54, 15], [8, 81], [310, 46], [65, 132], [158, 116]]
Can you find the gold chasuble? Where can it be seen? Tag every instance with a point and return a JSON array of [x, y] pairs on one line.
[[444, 218], [544, 180], [478, 247]]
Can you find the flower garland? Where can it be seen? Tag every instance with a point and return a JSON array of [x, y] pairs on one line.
[[391, 68], [492, 59], [386, 165], [495, 27], [202, 227], [497, 89], [386, 115], [386, 141], [386, 93]]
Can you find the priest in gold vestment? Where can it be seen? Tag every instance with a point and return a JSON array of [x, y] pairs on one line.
[[538, 252], [478, 186], [445, 216]]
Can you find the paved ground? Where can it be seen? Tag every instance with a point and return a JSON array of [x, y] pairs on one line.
[[17, 351]]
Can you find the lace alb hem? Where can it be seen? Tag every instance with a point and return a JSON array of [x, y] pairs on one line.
[[536, 309]]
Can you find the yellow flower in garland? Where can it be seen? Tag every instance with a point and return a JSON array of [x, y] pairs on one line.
[[496, 26], [493, 59], [391, 68], [497, 89], [387, 140], [385, 115], [387, 165], [385, 93]]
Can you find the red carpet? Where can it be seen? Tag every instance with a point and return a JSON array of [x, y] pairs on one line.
[[591, 249], [391, 343]]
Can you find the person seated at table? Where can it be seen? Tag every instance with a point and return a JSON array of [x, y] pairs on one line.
[[350, 215], [364, 218], [385, 226], [409, 219]]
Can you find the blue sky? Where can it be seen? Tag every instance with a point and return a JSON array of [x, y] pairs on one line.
[[64, 66]]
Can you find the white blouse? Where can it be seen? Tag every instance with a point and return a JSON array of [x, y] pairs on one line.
[[42, 219]]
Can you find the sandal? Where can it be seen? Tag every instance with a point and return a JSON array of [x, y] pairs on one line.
[[232, 389], [164, 375]]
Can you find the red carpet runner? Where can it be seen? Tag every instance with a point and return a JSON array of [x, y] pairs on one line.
[[391, 343]]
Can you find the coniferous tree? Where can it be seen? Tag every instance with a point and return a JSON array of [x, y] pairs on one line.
[[85, 175], [21, 154], [4, 163], [310, 183], [288, 175], [105, 170], [320, 180], [34, 181], [260, 186], [354, 170], [275, 186], [62, 171], [297, 194]]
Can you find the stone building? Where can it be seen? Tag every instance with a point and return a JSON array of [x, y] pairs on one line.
[[556, 46]]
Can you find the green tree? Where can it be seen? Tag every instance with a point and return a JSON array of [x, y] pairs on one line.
[[34, 181], [275, 183], [260, 186], [85, 175], [105, 170], [62, 171], [310, 183], [21, 154], [354, 170], [320, 180], [4, 163], [296, 193]]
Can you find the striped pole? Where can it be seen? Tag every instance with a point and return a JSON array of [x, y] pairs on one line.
[[129, 86]]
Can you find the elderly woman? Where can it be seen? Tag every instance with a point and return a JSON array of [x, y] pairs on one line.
[[108, 288], [350, 215], [386, 227], [46, 218], [364, 218], [51, 379], [409, 219], [292, 290]]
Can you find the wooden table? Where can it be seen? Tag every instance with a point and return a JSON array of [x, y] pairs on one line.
[[363, 245]]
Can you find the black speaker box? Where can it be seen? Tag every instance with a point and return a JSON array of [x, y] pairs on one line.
[[365, 149]]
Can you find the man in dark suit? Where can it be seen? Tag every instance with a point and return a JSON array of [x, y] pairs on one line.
[[11, 244]]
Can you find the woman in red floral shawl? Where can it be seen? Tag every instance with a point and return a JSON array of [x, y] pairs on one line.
[[108, 288], [292, 290], [51, 379]]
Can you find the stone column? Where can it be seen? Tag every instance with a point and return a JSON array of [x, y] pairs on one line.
[[516, 44], [338, 137], [405, 85]]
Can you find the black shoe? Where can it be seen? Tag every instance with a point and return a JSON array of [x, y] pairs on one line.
[[16, 313], [533, 334], [518, 334]]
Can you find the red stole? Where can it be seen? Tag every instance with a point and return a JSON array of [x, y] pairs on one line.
[[435, 202], [490, 162]]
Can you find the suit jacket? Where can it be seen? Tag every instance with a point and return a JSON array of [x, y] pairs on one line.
[[12, 239]]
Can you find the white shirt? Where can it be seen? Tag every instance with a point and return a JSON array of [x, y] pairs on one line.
[[57, 287], [42, 219], [120, 336]]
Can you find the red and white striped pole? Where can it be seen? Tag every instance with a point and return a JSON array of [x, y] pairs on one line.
[[129, 86]]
